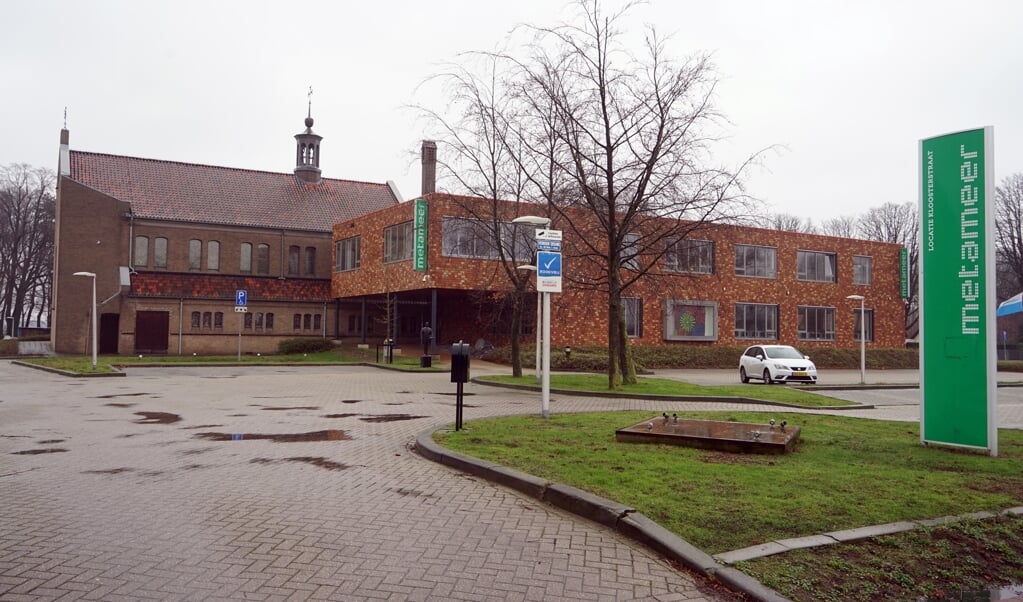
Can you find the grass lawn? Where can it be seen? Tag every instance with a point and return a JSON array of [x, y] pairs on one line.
[[845, 473], [664, 386], [347, 355]]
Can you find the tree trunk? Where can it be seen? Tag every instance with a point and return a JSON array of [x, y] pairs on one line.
[[516, 328], [615, 330]]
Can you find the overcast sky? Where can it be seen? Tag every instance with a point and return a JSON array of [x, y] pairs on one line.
[[846, 89]]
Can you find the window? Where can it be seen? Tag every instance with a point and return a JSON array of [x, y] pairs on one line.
[[630, 252], [815, 266], [269, 320], [194, 254], [159, 252], [816, 323], [398, 244], [245, 258], [756, 321], [218, 320], [868, 326], [141, 251], [310, 261], [294, 256], [862, 269], [633, 307], [263, 259], [464, 237], [347, 255], [692, 256], [691, 320], [259, 321], [213, 256], [297, 324], [195, 319], [351, 323], [248, 321], [317, 322], [756, 262], [207, 319], [307, 321]]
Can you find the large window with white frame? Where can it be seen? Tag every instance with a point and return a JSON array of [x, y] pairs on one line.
[[868, 326], [262, 258], [195, 254], [756, 321], [141, 258], [756, 262], [863, 269], [213, 255], [815, 323], [398, 242], [816, 266], [687, 320], [633, 308], [475, 238], [347, 254], [690, 256], [245, 258]]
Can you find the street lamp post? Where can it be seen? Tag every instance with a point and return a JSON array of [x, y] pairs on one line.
[[863, 337], [543, 340], [93, 276]]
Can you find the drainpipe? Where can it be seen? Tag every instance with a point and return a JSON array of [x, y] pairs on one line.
[[131, 242], [181, 324]]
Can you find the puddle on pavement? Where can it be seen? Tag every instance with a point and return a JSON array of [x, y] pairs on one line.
[[280, 396], [108, 471], [339, 415], [399, 403], [113, 395], [327, 435], [464, 394], [157, 418], [412, 493], [193, 452], [36, 452], [285, 408], [390, 417], [220, 377], [236, 415], [201, 426], [350, 400], [120, 405], [320, 462], [50, 441]]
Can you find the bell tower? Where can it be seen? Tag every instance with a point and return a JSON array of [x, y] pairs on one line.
[[307, 149]]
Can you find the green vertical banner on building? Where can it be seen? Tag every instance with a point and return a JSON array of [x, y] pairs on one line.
[[958, 356], [419, 234], [904, 273]]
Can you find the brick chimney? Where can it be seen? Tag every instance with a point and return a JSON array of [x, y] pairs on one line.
[[429, 158]]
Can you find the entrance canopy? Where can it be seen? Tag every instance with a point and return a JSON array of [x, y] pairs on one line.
[[1012, 305]]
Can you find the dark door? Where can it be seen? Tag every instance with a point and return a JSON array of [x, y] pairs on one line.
[[151, 331], [108, 327]]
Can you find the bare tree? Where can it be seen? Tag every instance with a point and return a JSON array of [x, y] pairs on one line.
[[26, 242], [479, 146], [1009, 237], [791, 223], [899, 224], [635, 136], [843, 226]]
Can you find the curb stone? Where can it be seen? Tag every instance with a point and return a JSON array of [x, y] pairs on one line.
[[619, 517]]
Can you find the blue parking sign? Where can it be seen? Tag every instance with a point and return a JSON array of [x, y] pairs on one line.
[[240, 297]]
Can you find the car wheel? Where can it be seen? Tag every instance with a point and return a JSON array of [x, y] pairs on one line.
[[742, 375], [767, 377]]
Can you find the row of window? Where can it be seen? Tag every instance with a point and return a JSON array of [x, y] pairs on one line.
[[255, 321], [481, 239], [697, 320], [299, 262]]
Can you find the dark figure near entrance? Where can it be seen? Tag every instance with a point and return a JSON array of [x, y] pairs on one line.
[[425, 336]]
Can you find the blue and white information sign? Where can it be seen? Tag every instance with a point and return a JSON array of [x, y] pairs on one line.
[[548, 261], [241, 297]]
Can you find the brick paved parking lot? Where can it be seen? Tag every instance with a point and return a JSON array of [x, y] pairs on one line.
[[277, 483]]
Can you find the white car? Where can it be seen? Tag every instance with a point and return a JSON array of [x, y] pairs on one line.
[[776, 363]]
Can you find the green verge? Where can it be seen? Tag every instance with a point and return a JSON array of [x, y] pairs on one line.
[[663, 386], [341, 356], [845, 473]]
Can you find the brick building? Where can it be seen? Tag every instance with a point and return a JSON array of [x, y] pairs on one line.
[[171, 242], [725, 285]]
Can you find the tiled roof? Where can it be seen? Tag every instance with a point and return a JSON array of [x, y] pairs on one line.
[[214, 286], [227, 196]]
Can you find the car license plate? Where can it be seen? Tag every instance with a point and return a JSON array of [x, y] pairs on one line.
[[799, 373]]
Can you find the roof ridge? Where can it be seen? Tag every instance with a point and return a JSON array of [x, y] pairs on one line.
[[224, 167]]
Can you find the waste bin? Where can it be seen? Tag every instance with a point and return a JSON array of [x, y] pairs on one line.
[[425, 361]]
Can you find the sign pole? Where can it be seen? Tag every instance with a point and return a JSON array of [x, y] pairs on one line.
[[546, 385]]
